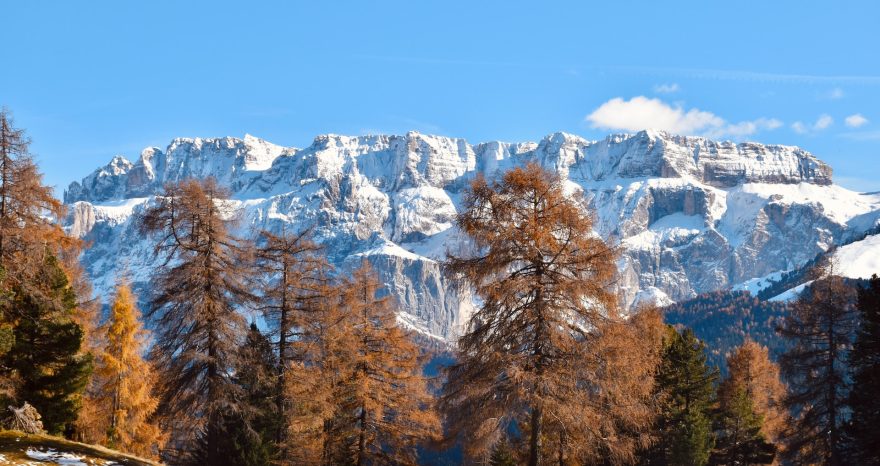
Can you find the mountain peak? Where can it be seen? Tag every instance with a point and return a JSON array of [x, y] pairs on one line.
[[690, 214]]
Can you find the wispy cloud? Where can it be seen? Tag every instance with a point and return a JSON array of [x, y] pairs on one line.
[[855, 121], [833, 94], [746, 75], [684, 72], [666, 88], [641, 112], [873, 135], [823, 122]]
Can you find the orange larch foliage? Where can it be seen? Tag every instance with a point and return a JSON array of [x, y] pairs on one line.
[[124, 382], [538, 351]]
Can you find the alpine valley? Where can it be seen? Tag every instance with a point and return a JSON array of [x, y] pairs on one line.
[[691, 215]]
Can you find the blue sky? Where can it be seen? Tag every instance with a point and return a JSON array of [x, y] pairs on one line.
[[91, 80]]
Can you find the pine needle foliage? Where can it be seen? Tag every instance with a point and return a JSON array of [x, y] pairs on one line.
[[45, 356]]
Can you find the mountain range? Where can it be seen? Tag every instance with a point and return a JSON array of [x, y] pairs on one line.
[[691, 215]]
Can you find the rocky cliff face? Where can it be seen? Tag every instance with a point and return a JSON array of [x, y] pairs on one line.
[[691, 214]]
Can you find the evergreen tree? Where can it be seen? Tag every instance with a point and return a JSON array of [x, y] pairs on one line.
[[7, 339], [384, 410], [740, 440], [45, 355], [685, 386], [195, 310], [502, 454], [124, 382], [28, 228], [249, 434], [545, 283], [819, 327], [864, 428]]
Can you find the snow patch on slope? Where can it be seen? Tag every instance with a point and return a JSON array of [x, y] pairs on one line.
[[860, 259]]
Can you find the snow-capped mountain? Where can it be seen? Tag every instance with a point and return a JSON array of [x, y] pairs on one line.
[[691, 214]]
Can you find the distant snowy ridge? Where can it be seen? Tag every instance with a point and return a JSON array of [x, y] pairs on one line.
[[691, 214]]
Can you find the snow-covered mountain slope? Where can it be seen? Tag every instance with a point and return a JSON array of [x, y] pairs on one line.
[[691, 214], [859, 259]]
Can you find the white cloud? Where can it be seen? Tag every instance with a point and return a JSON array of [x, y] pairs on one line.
[[834, 94], [641, 113], [856, 120], [666, 88], [823, 122]]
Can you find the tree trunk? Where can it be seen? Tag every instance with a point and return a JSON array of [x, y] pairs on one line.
[[362, 441], [561, 448], [535, 441], [282, 350], [833, 459]]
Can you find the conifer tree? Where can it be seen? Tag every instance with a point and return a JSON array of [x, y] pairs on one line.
[[819, 327], [864, 428], [7, 339], [323, 360], [739, 438], [27, 209], [502, 454], [545, 282], [384, 410], [750, 369], [45, 355], [249, 435], [28, 229], [294, 273], [124, 382], [195, 310], [685, 385]]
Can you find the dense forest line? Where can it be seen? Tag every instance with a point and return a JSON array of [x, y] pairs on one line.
[[549, 369], [724, 320]]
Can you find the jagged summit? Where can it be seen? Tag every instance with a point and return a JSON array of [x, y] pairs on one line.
[[691, 214], [648, 153]]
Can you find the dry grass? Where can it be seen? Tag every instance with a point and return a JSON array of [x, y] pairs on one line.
[[27, 449]]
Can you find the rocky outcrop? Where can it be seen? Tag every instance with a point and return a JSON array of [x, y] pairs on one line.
[[691, 214]]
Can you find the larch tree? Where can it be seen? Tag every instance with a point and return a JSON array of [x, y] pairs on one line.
[[383, 407], [323, 355], [819, 327], [616, 411], [545, 282], [750, 369], [249, 441], [124, 382], [28, 210], [863, 432], [28, 232], [197, 296], [293, 272]]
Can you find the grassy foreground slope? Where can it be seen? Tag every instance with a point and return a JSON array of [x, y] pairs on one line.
[[27, 449]]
